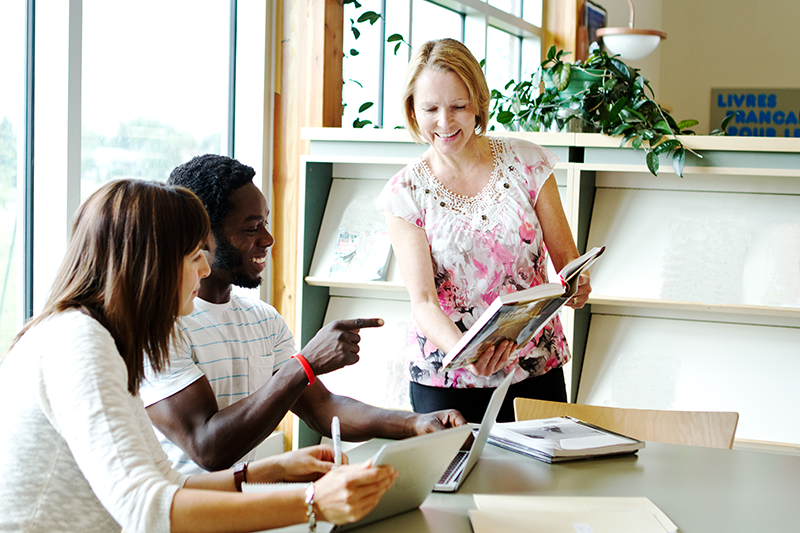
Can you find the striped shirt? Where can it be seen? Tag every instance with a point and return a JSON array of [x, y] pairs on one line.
[[237, 345]]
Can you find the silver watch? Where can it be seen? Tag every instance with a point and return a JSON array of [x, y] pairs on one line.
[[312, 519]]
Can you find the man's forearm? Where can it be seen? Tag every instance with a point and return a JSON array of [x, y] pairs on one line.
[[359, 421], [218, 441]]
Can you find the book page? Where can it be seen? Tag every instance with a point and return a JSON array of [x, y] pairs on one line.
[[536, 504], [565, 522]]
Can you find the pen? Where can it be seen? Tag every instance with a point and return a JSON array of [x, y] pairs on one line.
[[337, 441]]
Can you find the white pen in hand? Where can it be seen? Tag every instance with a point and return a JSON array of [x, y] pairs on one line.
[[336, 435]]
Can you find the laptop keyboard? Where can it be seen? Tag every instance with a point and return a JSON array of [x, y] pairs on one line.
[[455, 467]]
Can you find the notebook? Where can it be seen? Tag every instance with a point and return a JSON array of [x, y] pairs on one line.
[[420, 461], [465, 459]]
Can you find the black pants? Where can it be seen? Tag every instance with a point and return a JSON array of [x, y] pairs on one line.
[[473, 402]]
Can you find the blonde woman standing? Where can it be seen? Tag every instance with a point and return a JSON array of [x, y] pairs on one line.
[[474, 217]]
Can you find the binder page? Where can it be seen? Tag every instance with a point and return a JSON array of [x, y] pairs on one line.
[[538, 504]]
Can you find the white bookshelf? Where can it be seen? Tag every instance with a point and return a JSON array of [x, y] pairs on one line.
[[693, 304]]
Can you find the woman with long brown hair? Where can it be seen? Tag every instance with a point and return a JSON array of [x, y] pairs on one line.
[[77, 451]]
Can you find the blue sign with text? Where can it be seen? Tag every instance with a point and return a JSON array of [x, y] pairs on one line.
[[759, 112]]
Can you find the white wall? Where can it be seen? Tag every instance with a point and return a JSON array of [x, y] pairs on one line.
[[648, 17], [714, 44], [724, 43]]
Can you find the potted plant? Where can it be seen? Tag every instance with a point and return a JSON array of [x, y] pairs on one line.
[[601, 94]]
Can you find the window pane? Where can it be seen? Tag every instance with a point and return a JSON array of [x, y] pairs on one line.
[[531, 56], [532, 12], [12, 153], [361, 64], [430, 21], [154, 86], [509, 6], [503, 53]]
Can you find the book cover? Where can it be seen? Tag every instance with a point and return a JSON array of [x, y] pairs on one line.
[[519, 316], [560, 439], [363, 248]]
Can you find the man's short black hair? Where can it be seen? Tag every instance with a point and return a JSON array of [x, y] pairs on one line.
[[213, 178]]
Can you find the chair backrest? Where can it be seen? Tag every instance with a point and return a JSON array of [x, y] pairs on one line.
[[697, 428]]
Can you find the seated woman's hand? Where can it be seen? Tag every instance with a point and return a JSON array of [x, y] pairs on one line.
[[348, 493], [305, 464], [494, 358]]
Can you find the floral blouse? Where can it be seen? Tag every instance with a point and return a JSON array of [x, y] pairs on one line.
[[481, 246]]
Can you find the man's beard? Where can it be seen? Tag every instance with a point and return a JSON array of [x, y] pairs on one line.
[[229, 259]]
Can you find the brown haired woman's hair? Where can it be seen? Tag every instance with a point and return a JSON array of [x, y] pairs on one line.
[[445, 55], [124, 265]]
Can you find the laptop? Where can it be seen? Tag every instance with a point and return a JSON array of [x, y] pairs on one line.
[[465, 459], [420, 461]]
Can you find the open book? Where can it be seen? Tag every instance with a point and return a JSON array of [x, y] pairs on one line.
[[520, 315], [560, 439]]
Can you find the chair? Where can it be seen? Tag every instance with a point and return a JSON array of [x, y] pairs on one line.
[[696, 428]]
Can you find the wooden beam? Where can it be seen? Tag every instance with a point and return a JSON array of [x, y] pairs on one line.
[[308, 93], [561, 24]]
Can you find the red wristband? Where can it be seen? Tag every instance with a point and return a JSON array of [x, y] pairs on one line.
[[306, 367]]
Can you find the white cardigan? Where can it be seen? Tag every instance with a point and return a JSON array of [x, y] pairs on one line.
[[77, 451]]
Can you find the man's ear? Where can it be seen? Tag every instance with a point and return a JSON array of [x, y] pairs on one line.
[[210, 247]]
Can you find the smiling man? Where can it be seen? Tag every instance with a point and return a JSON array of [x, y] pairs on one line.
[[238, 373]]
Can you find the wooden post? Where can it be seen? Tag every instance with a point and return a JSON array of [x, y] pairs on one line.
[[308, 93], [561, 25]]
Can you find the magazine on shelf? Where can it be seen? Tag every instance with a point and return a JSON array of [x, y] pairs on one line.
[[362, 248], [561, 439], [520, 315]]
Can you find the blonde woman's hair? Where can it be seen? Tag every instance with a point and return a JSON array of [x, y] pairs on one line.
[[447, 55]]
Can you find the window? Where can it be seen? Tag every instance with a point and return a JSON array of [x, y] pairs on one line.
[[154, 87], [121, 90], [507, 33], [12, 156]]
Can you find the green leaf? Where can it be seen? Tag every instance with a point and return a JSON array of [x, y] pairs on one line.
[[678, 160], [396, 48], [504, 117], [626, 139], [551, 53], [666, 146], [356, 33], [361, 123], [663, 127], [609, 84], [561, 75], [726, 121], [371, 16], [637, 143], [365, 106], [394, 37], [652, 162], [687, 124], [614, 113], [620, 129], [636, 114], [353, 52]]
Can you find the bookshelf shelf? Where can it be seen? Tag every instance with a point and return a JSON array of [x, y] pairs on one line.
[[366, 285]]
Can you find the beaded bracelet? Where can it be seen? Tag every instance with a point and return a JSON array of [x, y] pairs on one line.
[[312, 518]]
